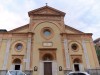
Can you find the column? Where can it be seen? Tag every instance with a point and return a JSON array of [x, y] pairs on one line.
[[86, 54], [28, 53], [66, 54], [6, 54]]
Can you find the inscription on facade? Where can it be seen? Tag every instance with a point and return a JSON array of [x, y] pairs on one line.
[[47, 44]]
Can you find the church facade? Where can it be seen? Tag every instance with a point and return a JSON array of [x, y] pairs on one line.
[[46, 46]]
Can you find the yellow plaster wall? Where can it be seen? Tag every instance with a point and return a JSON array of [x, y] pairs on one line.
[[12, 51], [22, 30], [38, 39], [90, 55], [79, 50], [67, 30], [2, 52]]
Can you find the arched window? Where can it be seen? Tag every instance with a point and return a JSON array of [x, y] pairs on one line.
[[47, 57], [77, 60], [17, 61], [17, 64]]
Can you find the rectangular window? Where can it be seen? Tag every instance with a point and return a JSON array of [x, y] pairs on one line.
[[17, 67]]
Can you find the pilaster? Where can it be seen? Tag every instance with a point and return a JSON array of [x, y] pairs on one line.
[[6, 54], [66, 54], [86, 54], [28, 54]]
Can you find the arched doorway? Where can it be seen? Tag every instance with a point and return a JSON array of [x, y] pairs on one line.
[[17, 64], [77, 64], [47, 59]]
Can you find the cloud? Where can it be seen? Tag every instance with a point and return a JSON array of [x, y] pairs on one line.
[[14, 14], [9, 20], [83, 15]]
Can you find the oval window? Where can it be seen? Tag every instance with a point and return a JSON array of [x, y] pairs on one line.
[[47, 32], [19, 46], [74, 46]]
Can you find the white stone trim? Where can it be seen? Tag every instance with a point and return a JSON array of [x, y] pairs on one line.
[[54, 68], [28, 54], [6, 54], [66, 54], [80, 66], [41, 68], [86, 54]]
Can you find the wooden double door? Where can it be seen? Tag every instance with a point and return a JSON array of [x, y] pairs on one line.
[[47, 68]]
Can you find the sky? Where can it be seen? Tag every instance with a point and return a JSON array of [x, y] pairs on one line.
[[83, 15]]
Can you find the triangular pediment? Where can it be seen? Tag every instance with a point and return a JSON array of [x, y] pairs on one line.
[[69, 29], [23, 28], [46, 10]]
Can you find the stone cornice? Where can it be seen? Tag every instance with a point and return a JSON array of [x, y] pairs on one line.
[[45, 15], [76, 34], [46, 7], [24, 26], [16, 33], [11, 34]]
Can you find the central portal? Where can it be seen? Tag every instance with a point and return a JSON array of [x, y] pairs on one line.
[[47, 68], [46, 65]]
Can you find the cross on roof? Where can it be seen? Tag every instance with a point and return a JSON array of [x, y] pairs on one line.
[[46, 4]]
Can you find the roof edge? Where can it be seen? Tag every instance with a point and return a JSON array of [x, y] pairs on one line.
[[19, 28], [73, 29], [32, 11]]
